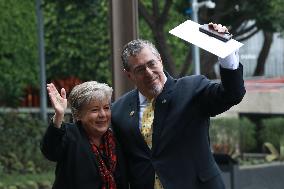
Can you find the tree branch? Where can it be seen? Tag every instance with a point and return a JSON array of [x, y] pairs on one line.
[[237, 24], [220, 14], [165, 13], [187, 63], [155, 6], [261, 60], [247, 36], [246, 30], [143, 11]]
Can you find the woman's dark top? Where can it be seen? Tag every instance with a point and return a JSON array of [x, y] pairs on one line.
[[77, 167]]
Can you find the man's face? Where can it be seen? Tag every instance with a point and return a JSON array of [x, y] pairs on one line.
[[146, 72]]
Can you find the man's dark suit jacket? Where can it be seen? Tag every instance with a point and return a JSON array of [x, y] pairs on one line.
[[181, 154], [76, 166]]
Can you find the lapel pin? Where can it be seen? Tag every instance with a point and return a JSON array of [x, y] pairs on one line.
[[164, 101], [131, 113]]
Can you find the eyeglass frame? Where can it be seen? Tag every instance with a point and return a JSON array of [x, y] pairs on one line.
[[151, 64]]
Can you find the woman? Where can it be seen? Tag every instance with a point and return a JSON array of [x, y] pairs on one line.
[[86, 153]]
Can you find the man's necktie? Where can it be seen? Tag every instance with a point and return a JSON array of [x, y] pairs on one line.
[[146, 124], [147, 130]]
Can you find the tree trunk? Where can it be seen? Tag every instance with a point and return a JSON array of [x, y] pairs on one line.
[[208, 61], [164, 50], [156, 21], [268, 39]]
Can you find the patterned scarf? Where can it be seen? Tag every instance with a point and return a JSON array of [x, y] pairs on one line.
[[107, 167]]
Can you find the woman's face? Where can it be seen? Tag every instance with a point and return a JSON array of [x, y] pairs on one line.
[[95, 117]]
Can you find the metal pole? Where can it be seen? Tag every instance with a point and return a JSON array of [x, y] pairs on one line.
[[196, 54], [124, 28], [43, 103]]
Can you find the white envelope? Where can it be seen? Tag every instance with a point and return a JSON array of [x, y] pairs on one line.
[[189, 31]]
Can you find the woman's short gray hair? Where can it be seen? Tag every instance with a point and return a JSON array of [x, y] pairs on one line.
[[84, 93], [133, 48]]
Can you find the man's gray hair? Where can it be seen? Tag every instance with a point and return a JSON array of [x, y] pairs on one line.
[[84, 93], [133, 48]]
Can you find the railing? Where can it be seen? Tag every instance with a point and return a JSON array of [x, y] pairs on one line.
[[35, 112]]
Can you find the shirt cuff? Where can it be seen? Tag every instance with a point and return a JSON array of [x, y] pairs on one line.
[[230, 62]]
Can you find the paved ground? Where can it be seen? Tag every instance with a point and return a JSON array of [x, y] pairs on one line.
[[266, 176]]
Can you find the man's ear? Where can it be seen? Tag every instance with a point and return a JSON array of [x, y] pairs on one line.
[[160, 59]]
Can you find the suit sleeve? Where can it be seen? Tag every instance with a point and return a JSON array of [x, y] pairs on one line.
[[217, 98]]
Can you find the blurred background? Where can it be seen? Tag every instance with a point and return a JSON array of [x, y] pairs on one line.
[[69, 42]]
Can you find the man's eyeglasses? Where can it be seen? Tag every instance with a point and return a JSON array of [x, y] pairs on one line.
[[140, 70]]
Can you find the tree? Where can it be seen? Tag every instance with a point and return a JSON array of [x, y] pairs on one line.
[[18, 50], [250, 17], [160, 17], [272, 22], [77, 40], [244, 18]]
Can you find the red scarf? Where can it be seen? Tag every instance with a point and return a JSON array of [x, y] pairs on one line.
[[106, 169]]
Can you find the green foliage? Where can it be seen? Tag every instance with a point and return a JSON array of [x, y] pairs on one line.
[[243, 17], [266, 13], [77, 44], [238, 14], [278, 11], [18, 55], [42, 180], [263, 12], [20, 136], [31, 185], [228, 135], [247, 135], [272, 131], [224, 134], [179, 49], [77, 40]]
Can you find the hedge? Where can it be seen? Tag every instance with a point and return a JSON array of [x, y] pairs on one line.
[[20, 136]]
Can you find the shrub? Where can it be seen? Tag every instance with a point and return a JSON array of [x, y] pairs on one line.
[[41, 180], [232, 135], [20, 136], [247, 135], [272, 131], [18, 50]]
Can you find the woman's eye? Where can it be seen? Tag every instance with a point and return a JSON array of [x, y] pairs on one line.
[[107, 108]]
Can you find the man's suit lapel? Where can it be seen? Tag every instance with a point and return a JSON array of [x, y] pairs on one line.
[[134, 120], [161, 110]]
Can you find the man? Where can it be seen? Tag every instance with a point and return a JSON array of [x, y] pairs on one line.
[[175, 153]]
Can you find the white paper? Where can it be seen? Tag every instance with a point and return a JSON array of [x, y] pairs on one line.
[[189, 31]]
